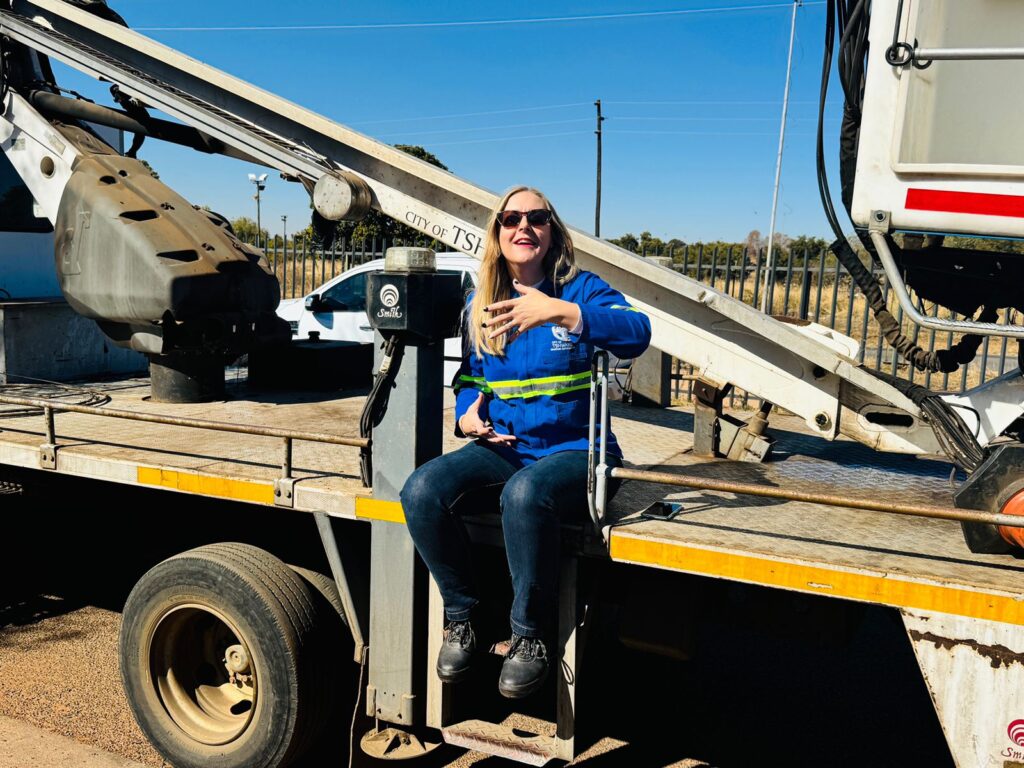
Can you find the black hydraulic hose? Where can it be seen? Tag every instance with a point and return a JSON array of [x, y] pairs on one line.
[[845, 62], [851, 50], [377, 403], [959, 443], [55, 105]]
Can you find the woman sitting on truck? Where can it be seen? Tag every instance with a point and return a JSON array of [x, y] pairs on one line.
[[522, 393]]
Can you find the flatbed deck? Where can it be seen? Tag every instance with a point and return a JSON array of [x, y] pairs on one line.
[[881, 558]]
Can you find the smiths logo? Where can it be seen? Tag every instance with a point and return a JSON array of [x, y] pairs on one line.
[[389, 297], [1015, 731]]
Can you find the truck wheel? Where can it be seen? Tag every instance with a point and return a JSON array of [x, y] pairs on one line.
[[218, 652]]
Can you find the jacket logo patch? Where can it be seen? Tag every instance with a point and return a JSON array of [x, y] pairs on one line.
[[562, 340]]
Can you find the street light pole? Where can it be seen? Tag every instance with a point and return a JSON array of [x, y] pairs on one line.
[[597, 206], [284, 232], [769, 273], [261, 184]]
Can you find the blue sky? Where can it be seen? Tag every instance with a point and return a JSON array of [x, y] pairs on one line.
[[692, 99]]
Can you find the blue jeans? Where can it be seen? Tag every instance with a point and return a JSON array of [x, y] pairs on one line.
[[534, 501]]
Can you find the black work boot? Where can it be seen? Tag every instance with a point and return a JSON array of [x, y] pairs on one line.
[[457, 649], [525, 667]]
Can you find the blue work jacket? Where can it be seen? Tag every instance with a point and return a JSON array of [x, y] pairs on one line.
[[539, 390]]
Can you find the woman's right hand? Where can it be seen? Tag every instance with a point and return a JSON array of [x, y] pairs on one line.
[[473, 426]]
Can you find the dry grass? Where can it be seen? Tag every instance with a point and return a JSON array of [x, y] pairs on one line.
[[300, 273], [837, 305]]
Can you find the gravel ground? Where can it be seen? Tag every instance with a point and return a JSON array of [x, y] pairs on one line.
[[58, 671]]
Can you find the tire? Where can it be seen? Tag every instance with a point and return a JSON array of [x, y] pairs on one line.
[[324, 586], [337, 672], [178, 625]]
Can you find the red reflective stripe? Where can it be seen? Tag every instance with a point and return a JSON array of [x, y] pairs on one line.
[[965, 202]]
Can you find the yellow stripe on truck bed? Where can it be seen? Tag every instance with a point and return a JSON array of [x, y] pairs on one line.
[[869, 587], [207, 485], [368, 508]]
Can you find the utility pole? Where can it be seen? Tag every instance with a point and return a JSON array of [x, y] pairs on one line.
[[597, 207], [769, 273]]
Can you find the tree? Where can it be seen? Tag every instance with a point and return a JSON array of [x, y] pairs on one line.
[[985, 244], [150, 168], [245, 230], [379, 227], [628, 241], [809, 244]]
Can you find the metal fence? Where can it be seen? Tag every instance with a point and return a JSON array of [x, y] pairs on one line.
[[817, 288], [301, 267], [804, 285]]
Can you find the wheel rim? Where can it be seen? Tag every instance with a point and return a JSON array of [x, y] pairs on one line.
[[204, 673]]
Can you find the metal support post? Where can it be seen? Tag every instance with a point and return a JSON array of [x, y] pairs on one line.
[[597, 202], [408, 435], [651, 379], [570, 628], [48, 450], [439, 700], [769, 274], [707, 409], [284, 487], [353, 615]]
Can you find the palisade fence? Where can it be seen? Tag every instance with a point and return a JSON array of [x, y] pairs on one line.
[[300, 267], [804, 285]]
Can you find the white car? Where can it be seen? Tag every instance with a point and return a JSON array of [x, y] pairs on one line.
[[336, 311]]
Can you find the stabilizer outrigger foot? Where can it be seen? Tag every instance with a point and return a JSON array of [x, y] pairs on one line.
[[395, 744]]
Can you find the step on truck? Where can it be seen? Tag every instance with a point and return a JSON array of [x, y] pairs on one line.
[[221, 653]]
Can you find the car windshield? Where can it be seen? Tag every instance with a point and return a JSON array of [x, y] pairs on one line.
[[347, 296]]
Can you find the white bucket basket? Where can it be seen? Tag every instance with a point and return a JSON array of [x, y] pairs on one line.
[[941, 147]]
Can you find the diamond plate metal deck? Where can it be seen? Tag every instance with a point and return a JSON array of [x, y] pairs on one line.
[[501, 741], [873, 556], [328, 480]]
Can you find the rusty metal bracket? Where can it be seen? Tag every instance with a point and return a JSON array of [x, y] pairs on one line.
[[48, 456], [284, 492]]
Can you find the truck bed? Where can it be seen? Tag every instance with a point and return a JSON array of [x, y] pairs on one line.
[[869, 556]]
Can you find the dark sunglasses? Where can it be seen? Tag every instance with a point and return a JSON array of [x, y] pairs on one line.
[[538, 217]]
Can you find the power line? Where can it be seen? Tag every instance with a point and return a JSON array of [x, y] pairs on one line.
[[357, 123], [700, 133], [417, 135], [718, 103], [502, 127], [713, 119], [509, 138], [472, 114], [616, 133], [480, 22]]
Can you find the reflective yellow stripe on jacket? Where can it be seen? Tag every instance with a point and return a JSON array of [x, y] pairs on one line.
[[514, 388]]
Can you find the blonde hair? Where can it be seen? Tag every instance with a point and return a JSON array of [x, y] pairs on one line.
[[495, 281]]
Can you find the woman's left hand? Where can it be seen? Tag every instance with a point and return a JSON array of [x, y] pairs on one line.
[[531, 309]]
